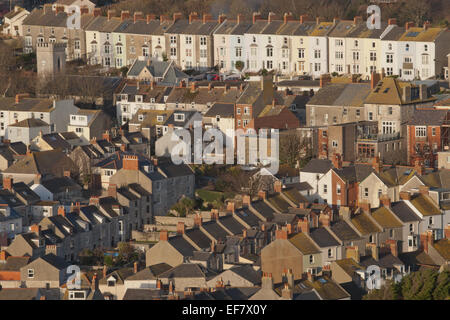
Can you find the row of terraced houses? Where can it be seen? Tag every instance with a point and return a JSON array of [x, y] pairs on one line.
[[288, 45]]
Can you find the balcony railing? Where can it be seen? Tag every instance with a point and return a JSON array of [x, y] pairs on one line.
[[379, 137]]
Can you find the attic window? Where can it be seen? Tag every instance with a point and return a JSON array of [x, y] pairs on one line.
[[179, 117], [30, 273], [141, 117], [111, 283]]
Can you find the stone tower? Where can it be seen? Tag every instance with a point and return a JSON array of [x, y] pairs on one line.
[[51, 59]]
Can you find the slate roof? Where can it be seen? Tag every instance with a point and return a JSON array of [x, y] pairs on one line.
[[150, 273], [142, 294], [425, 205], [231, 224], [248, 273], [428, 117], [225, 110], [19, 293], [30, 123], [14, 263], [323, 238], [317, 166], [279, 203], [60, 184], [215, 230], [443, 248], [338, 94], [263, 209], [248, 217], [56, 141], [182, 246], [43, 162], [55, 261], [344, 232], [404, 212], [184, 270]]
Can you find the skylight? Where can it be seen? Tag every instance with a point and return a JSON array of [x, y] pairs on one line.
[[412, 34]]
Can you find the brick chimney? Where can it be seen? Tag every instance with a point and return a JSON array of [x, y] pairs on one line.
[[277, 186], [246, 199], [130, 162], [180, 227], [376, 164], [239, 18], [207, 17], [426, 25], [287, 292], [281, 234], [365, 206], [426, 240], [303, 18], [176, 16], [393, 246], [374, 79], [392, 22], [97, 12], [3, 255], [385, 200], [324, 80], [230, 206], [337, 161], [111, 13], [404, 195], [21, 96], [271, 17], [112, 190], [150, 17], [47, 8], [447, 232], [163, 235], [61, 211], [84, 10], [67, 173], [288, 17], [7, 183], [105, 270], [198, 220], [222, 18], [324, 220], [135, 267], [214, 214], [256, 16], [409, 25], [36, 229], [303, 225], [262, 194], [418, 167], [192, 17], [138, 15], [193, 87]]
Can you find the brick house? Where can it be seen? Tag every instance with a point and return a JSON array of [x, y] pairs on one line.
[[427, 133]]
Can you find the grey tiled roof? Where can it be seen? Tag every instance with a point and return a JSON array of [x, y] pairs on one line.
[[404, 212], [323, 238], [317, 166]]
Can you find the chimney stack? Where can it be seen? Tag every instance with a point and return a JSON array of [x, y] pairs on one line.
[[192, 17], [222, 18], [324, 80], [376, 164], [392, 22], [207, 17], [404, 195], [180, 228], [230, 206], [426, 25], [418, 167], [97, 12], [112, 190], [246, 199], [262, 195], [150, 17], [303, 18], [277, 186], [176, 16], [357, 20], [7, 183], [198, 220], [239, 18], [281, 234], [111, 13], [337, 161], [135, 267], [256, 16], [374, 79], [271, 17], [138, 15], [303, 225], [409, 25], [163, 235], [425, 190]]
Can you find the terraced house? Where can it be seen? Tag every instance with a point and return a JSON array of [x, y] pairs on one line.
[[48, 25]]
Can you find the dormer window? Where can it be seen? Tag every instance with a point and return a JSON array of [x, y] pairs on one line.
[[138, 98], [111, 281], [159, 118], [179, 117]]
